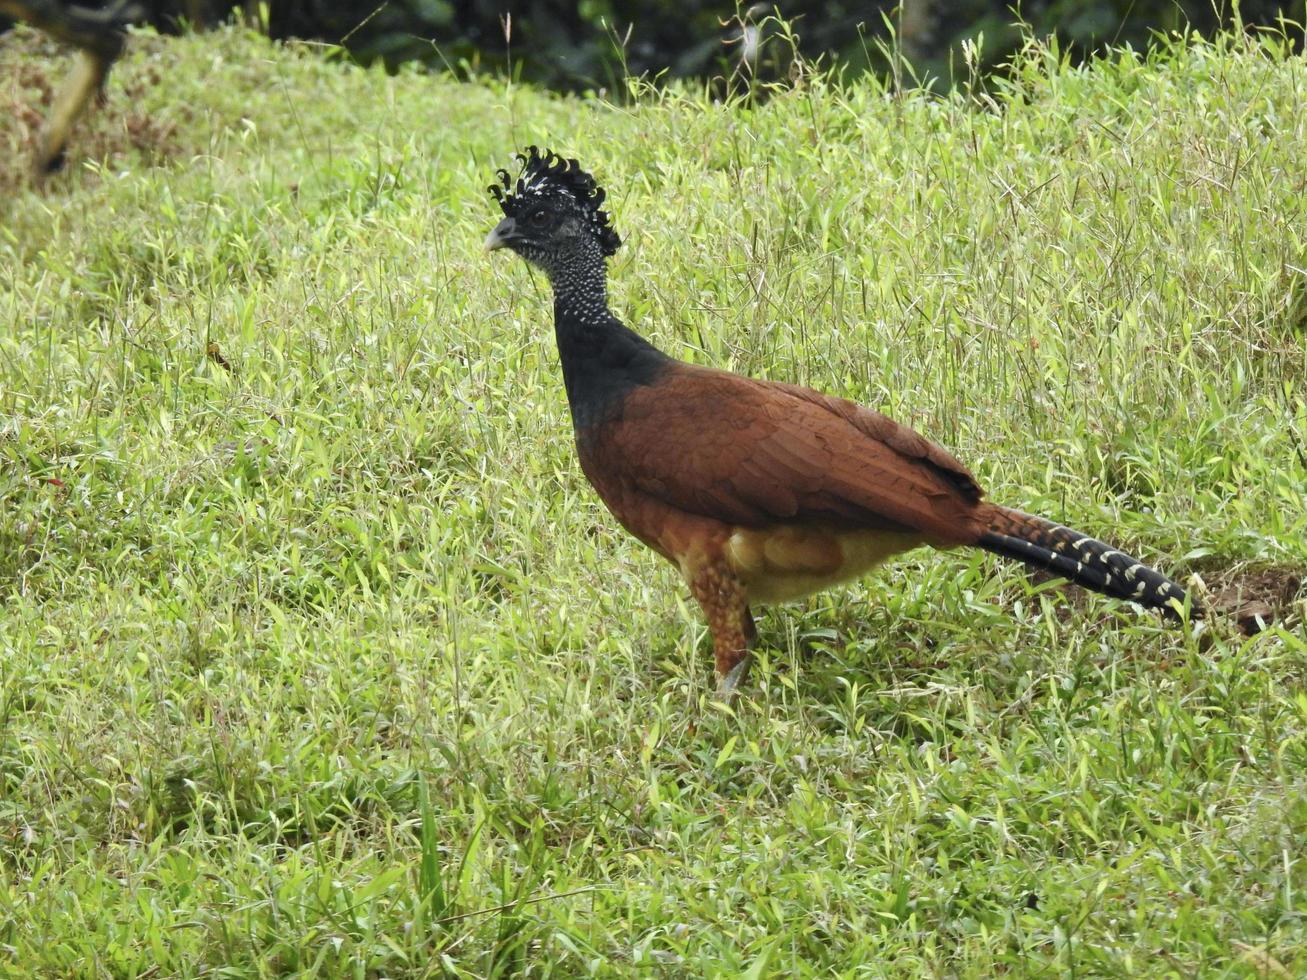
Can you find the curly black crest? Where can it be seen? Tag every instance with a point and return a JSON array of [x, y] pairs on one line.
[[546, 172]]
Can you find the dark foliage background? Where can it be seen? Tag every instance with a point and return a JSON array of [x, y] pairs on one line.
[[579, 44]]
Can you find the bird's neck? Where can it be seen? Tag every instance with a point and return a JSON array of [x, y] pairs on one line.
[[603, 360]]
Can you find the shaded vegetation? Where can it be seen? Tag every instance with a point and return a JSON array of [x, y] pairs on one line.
[[600, 43]]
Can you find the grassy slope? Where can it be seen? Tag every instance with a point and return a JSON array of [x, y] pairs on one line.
[[301, 658]]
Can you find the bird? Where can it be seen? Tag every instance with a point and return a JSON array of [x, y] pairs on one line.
[[756, 491], [100, 35]]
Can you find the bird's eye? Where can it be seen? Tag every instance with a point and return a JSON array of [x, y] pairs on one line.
[[539, 218]]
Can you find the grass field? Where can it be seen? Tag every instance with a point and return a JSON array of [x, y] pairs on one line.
[[318, 656]]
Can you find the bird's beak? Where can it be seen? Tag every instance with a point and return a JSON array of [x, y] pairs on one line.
[[502, 234]]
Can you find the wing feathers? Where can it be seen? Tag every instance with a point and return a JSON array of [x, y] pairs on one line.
[[750, 453]]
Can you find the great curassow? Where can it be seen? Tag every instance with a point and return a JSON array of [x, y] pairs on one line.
[[757, 491], [99, 35]]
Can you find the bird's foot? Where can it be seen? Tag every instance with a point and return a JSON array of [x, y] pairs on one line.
[[726, 687]]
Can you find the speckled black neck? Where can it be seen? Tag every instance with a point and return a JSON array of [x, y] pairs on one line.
[[603, 360]]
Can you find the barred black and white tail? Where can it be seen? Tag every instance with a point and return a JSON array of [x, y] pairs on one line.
[[1080, 559]]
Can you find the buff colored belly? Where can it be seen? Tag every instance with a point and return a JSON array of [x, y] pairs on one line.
[[783, 563]]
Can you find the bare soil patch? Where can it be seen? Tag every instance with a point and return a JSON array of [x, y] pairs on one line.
[[1257, 596]]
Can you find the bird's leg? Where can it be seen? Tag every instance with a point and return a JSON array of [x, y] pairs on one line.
[[735, 676], [725, 604], [84, 82]]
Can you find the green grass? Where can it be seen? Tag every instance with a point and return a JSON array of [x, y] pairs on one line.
[[330, 662]]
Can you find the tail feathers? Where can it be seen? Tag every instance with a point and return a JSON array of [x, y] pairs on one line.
[[1080, 559]]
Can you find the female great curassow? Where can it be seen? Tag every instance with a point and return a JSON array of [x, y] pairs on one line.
[[756, 491]]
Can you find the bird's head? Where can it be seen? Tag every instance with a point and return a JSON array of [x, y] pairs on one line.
[[551, 215]]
